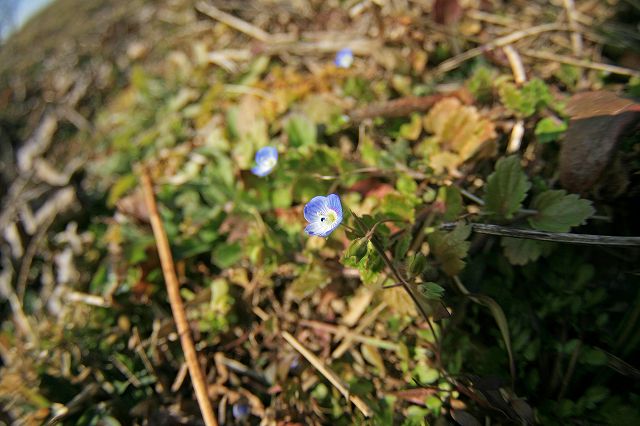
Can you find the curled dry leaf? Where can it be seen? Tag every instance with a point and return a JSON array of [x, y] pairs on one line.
[[598, 120], [459, 133]]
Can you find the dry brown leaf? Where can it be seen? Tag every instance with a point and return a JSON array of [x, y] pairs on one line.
[[460, 133]]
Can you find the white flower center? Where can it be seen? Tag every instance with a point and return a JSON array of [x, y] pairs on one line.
[[329, 218], [268, 162]]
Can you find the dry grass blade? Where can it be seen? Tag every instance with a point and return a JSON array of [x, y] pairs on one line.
[[613, 69], [230, 20], [458, 60], [177, 307], [328, 374]]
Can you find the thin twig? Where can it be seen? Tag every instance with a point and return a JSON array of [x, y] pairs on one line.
[[364, 323], [344, 331], [515, 62], [397, 107], [576, 37], [613, 69], [233, 22], [328, 374], [560, 237], [566, 379], [177, 307], [458, 60]]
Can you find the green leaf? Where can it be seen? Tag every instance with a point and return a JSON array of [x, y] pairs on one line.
[[356, 251], [431, 291], [122, 185], [226, 255], [450, 248], [417, 264], [402, 246], [399, 206], [481, 83], [521, 251], [452, 199], [312, 278], [533, 96], [498, 315], [549, 129], [559, 211], [506, 188], [411, 130], [301, 131]]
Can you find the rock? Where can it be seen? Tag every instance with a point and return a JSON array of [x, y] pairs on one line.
[[598, 120]]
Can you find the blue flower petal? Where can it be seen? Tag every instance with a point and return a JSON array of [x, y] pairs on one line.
[[344, 58], [324, 215], [266, 153], [317, 205], [266, 159], [261, 170], [334, 204], [318, 229]]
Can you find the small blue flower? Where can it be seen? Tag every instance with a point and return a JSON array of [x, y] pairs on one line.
[[241, 410], [324, 214], [344, 58], [266, 160]]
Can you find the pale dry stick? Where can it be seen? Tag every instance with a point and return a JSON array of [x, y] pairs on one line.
[[182, 373], [519, 76], [177, 307], [131, 378], [233, 22], [145, 359], [344, 331], [366, 322], [515, 139], [559, 237], [491, 18], [515, 62], [458, 60], [582, 63], [576, 37], [6, 291], [328, 374]]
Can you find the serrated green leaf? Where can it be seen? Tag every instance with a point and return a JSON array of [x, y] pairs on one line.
[[481, 83], [450, 248], [559, 211], [506, 188], [521, 251], [533, 96], [431, 291], [549, 129]]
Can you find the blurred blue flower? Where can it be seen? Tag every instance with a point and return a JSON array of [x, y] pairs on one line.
[[344, 58], [266, 160], [241, 410], [324, 214]]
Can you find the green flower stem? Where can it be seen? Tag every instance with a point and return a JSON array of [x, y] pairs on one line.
[[408, 288]]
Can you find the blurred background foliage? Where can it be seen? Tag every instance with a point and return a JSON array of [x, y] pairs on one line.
[[526, 331]]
